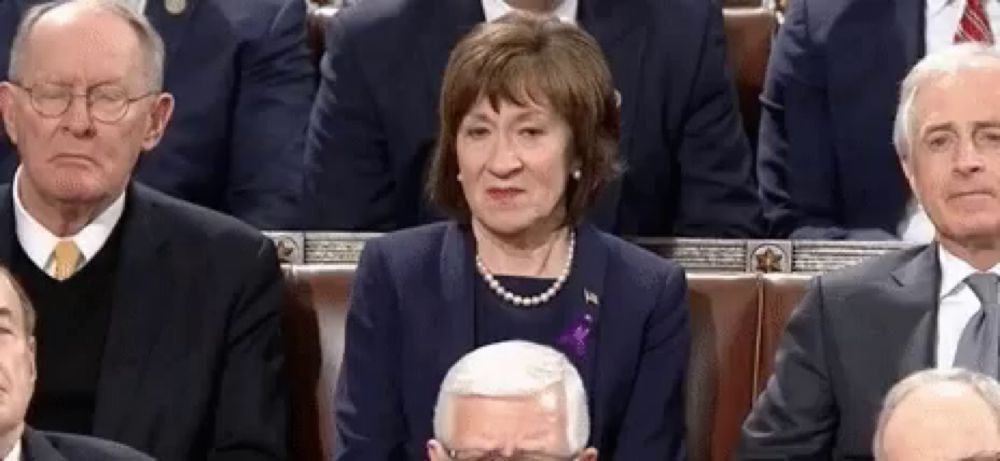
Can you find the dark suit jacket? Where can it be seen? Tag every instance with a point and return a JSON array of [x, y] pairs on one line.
[[374, 121], [827, 166], [56, 446], [193, 367], [855, 334], [411, 318], [243, 81]]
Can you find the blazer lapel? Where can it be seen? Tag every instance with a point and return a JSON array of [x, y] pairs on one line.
[[457, 286], [620, 30], [585, 289], [142, 299], [450, 21], [913, 311]]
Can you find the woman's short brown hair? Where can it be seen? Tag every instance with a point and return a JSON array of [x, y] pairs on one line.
[[524, 58]]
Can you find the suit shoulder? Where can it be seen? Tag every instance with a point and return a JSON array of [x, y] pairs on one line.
[[247, 21], [870, 272], [192, 221], [415, 243], [84, 448], [636, 263], [379, 16]]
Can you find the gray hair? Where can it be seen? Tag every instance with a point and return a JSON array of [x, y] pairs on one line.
[[514, 369], [947, 62], [983, 386], [149, 38]]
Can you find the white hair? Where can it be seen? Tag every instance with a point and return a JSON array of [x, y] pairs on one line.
[[149, 38], [514, 369], [947, 62], [983, 386]]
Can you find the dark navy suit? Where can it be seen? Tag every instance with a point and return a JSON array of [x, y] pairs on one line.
[[243, 81], [375, 117], [56, 446], [826, 162], [412, 316]]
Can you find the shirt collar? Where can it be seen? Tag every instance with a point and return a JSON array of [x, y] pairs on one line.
[[15, 452], [954, 271], [494, 9], [38, 242], [935, 6]]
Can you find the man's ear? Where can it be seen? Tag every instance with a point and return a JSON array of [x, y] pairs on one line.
[[159, 117], [32, 347], [589, 454], [436, 451], [7, 110], [906, 163]]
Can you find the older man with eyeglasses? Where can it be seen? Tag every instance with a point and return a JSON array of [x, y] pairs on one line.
[[512, 400], [158, 320]]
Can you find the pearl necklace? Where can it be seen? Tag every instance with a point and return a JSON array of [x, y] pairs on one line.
[[528, 301]]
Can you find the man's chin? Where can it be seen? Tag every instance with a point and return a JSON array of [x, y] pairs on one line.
[[982, 237]]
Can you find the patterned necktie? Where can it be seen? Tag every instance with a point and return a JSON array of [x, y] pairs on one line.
[[66, 256], [975, 24], [979, 345]]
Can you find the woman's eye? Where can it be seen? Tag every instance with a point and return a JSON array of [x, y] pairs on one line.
[[476, 132]]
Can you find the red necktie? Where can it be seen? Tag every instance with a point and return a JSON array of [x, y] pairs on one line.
[[975, 25]]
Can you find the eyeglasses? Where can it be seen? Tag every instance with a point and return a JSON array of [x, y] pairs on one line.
[[107, 103], [496, 455]]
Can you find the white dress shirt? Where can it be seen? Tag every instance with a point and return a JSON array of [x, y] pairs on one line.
[[139, 6], [38, 242], [15, 452], [941, 19], [494, 9], [956, 305]]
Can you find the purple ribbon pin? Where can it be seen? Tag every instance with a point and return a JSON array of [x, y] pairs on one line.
[[574, 339]]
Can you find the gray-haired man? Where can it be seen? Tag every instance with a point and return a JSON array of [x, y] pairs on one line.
[[511, 400], [860, 330]]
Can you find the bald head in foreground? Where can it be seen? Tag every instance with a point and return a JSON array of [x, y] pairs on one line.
[[947, 414], [511, 400]]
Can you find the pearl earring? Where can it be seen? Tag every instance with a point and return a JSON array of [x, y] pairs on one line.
[[577, 174], [459, 177]]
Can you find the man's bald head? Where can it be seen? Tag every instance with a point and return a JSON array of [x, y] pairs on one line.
[[939, 414], [66, 11]]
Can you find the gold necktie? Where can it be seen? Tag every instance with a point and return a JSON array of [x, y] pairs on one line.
[[66, 256]]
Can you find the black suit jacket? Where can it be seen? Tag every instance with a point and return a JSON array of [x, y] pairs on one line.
[[56, 446], [193, 367], [827, 166], [689, 167], [855, 334]]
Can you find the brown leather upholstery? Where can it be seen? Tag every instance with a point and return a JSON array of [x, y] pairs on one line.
[[736, 320], [748, 46], [781, 293], [724, 318], [314, 325]]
